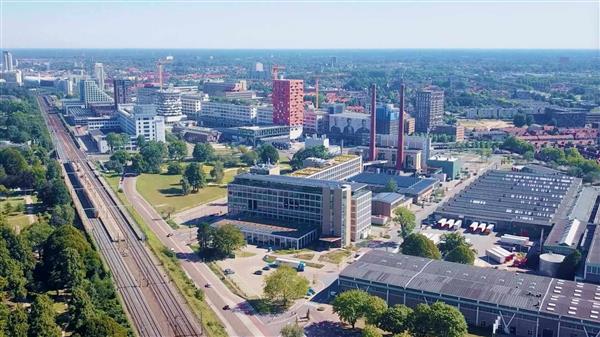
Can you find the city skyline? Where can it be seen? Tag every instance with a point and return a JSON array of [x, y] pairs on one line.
[[328, 25]]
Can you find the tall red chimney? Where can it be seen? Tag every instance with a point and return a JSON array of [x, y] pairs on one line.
[[400, 149], [372, 149]]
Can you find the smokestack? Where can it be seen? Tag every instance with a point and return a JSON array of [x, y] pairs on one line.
[[372, 149], [317, 90], [400, 149]]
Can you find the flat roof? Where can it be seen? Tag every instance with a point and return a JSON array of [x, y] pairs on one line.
[[406, 184], [497, 287], [298, 181], [266, 228], [388, 197], [515, 196], [337, 160]]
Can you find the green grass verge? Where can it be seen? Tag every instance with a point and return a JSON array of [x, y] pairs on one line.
[[194, 296], [15, 218], [163, 190], [336, 256]]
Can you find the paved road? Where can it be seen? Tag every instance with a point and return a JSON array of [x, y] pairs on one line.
[[238, 322], [218, 206]]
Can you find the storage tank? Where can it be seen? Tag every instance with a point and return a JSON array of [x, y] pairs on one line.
[[549, 263]]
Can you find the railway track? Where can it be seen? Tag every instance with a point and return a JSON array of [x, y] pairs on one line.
[[155, 307]]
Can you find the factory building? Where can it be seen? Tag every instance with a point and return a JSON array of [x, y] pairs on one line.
[[518, 304], [516, 202]]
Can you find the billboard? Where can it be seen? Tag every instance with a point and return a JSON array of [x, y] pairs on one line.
[[352, 128]]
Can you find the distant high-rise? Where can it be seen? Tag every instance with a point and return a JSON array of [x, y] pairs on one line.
[[168, 104], [99, 75], [429, 108], [7, 61], [259, 67], [90, 93], [288, 104], [121, 91]]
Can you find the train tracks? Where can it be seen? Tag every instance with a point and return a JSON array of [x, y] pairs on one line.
[[154, 305]]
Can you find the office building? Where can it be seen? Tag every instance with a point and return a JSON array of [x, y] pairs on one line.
[[7, 61], [516, 202], [256, 134], [429, 108], [226, 114], [90, 93], [122, 92], [288, 104], [147, 94], [264, 115], [168, 104], [14, 77], [519, 304], [302, 203], [337, 168], [191, 104], [65, 86], [387, 119], [143, 121], [315, 122], [383, 204], [99, 75]]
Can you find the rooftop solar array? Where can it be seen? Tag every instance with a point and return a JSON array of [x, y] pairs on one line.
[[514, 196], [492, 286]]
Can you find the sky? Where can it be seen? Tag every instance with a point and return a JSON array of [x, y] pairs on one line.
[[299, 24]]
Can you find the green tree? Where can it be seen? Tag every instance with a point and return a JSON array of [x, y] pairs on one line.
[[12, 277], [203, 152], [569, 266], [121, 156], [551, 154], [450, 241], [195, 176], [371, 331], [116, 140], [439, 319], [81, 308], [69, 270], [218, 172], [153, 153], [314, 152], [391, 186], [249, 158], [528, 155], [102, 326], [177, 150], [62, 215], [350, 305], [17, 325], [205, 235], [268, 154], [461, 254], [36, 235], [396, 319], [174, 168], [227, 239], [42, 319], [292, 330], [406, 219], [529, 120], [115, 166], [53, 170], [419, 245], [54, 192], [374, 308], [519, 120], [284, 285], [185, 186], [12, 161]]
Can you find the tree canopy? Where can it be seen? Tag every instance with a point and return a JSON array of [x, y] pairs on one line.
[[284, 285], [419, 245], [406, 219]]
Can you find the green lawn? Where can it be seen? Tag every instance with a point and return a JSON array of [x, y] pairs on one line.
[[335, 256], [17, 219], [162, 190]]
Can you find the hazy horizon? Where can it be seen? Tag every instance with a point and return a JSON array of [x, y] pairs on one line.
[[302, 25]]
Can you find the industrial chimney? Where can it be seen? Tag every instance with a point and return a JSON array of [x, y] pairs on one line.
[[400, 149], [372, 149]]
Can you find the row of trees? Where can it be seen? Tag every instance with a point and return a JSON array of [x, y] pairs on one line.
[[580, 167], [438, 319], [453, 248]]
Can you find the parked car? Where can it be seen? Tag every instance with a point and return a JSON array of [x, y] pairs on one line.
[[265, 268], [228, 271], [258, 272]]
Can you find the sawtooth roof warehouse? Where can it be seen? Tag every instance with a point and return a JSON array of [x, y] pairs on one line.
[[522, 304]]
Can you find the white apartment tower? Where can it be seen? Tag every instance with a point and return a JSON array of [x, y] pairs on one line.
[[99, 75]]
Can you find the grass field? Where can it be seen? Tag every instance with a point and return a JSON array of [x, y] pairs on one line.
[[17, 219], [162, 190], [212, 326], [336, 256]]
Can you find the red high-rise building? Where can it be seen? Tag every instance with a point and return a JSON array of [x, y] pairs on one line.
[[288, 102]]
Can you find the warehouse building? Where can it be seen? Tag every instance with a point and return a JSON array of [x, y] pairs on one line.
[[416, 188], [516, 202], [518, 304]]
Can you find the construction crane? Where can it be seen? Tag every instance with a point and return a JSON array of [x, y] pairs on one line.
[[160, 63], [275, 70]]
